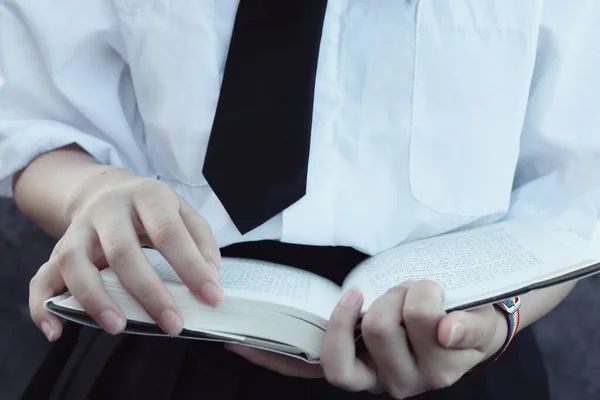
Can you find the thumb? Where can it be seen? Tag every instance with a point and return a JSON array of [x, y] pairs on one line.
[[468, 329]]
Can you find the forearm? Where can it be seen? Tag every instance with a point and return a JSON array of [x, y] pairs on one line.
[[46, 189], [535, 306], [539, 303]]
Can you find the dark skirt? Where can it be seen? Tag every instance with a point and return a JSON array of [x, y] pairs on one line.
[[89, 364]]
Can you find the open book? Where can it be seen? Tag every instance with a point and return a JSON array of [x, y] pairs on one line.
[[286, 310]]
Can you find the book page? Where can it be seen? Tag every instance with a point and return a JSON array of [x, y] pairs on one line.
[[266, 282], [472, 264]]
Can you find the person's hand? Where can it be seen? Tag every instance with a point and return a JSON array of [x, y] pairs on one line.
[[111, 218], [413, 346]]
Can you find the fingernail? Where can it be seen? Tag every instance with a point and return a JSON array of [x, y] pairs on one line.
[[48, 331], [111, 322], [350, 299], [211, 293], [171, 323], [456, 333]]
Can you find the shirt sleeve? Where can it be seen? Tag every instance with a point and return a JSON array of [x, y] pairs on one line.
[[61, 82], [558, 173]]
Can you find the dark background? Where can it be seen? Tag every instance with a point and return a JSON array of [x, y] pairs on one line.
[[569, 337]]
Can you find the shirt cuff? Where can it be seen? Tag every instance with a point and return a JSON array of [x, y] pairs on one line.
[[28, 142]]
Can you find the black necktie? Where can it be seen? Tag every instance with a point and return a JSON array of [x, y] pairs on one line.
[[257, 156]]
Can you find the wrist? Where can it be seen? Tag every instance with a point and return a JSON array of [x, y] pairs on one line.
[[47, 189], [500, 334], [509, 310]]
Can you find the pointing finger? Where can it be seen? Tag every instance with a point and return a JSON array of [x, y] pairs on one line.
[[341, 366]]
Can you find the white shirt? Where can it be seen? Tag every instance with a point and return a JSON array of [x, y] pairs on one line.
[[429, 115]]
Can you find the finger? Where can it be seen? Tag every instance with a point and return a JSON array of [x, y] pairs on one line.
[[201, 233], [438, 367], [387, 342], [85, 284], [126, 258], [468, 330], [340, 365], [57, 247], [46, 283], [170, 236], [276, 362], [422, 312]]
